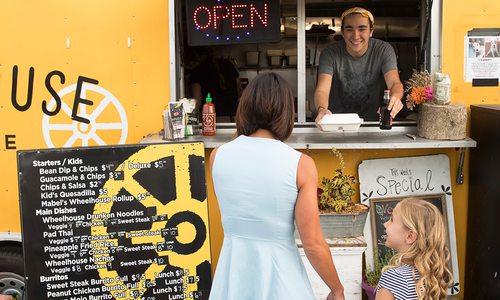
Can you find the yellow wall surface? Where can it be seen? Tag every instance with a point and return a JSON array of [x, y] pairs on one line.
[[90, 38], [459, 17], [79, 38]]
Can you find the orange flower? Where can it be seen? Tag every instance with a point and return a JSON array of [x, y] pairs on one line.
[[418, 95]]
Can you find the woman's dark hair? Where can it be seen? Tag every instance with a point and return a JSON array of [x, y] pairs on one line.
[[266, 103]]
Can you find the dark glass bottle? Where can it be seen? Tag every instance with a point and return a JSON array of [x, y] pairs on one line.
[[385, 113]]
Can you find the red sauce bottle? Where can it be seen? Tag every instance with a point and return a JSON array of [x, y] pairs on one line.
[[208, 117]]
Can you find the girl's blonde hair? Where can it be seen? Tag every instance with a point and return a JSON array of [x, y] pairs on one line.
[[429, 253]]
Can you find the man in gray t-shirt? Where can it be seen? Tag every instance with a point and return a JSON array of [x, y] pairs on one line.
[[352, 71]]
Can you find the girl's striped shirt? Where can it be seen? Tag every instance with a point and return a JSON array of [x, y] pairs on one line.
[[401, 282]]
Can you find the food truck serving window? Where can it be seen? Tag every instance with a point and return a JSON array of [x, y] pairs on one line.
[[288, 37], [218, 22]]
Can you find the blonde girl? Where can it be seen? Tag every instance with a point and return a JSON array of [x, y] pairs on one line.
[[419, 269]]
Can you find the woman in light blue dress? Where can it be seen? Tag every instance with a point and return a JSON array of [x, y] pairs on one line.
[[263, 186]]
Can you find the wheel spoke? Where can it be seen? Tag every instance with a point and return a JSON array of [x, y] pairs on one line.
[[65, 107], [83, 95], [61, 127], [71, 141], [100, 108], [98, 140], [108, 126]]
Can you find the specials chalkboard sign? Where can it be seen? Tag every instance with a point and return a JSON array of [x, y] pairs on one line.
[[381, 212], [384, 182], [215, 22], [121, 222]]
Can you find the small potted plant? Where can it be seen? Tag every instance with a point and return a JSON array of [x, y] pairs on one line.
[[339, 215]]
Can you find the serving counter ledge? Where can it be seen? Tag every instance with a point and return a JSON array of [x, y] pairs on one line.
[[403, 137]]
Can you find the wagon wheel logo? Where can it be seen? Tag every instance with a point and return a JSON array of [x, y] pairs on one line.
[[108, 121], [188, 214]]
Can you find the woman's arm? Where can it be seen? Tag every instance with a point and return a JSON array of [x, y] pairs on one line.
[[307, 220], [212, 158]]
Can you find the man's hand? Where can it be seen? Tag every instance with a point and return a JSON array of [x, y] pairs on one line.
[[321, 113], [394, 84], [395, 105]]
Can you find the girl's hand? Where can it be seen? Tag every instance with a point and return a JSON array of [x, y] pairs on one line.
[[335, 296]]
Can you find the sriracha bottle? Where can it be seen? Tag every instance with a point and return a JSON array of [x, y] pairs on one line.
[[208, 117]]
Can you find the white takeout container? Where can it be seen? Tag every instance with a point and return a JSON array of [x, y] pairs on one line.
[[340, 122]]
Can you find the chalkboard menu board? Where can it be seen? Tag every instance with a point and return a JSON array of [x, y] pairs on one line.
[[216, 22], [381, 211], [123, 222]]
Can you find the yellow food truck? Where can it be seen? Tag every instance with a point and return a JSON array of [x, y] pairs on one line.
[[96, 73]]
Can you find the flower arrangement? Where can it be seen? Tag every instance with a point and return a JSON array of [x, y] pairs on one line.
[[418, 88]]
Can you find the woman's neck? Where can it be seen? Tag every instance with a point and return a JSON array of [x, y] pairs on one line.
[[262, 133]]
